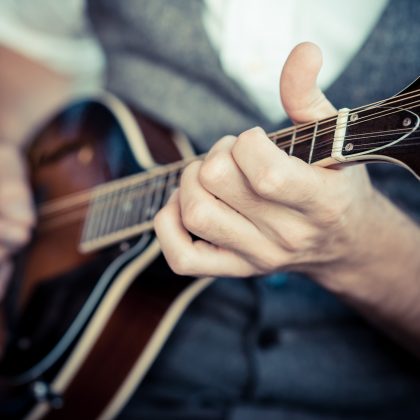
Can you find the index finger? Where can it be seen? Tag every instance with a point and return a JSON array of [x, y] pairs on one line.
[[274, 175]]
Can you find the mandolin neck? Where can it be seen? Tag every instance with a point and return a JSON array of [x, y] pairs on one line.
[[386, 131]]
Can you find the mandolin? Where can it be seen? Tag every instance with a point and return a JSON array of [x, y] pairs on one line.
[[92, 301]]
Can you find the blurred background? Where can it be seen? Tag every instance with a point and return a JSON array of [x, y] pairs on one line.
[[47, 57], [49, 54]]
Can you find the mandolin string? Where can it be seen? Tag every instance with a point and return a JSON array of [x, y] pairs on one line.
[[381, 113], [88, 195], [144, 184], [305, 126], [394, 147], [381, 133], [65, 218], [76, 215], [321, 132], [165, 173], [142, 187], [368, 135], [388, 101], [360, 120], [113, 186], [79, 215]]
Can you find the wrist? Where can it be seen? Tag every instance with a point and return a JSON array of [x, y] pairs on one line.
[[382, 245]]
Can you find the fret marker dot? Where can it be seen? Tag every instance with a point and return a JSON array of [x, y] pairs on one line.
[[348, 147], [406, 122], [127, 206]]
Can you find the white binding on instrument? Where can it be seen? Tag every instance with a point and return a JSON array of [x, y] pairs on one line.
[[120, 285]]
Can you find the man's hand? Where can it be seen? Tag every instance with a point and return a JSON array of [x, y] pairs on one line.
[[16, 208], [259, 210]]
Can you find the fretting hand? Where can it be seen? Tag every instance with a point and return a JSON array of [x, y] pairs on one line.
[[259, 210]]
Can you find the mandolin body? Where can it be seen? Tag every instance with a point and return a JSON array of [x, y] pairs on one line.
[[87, 324], [87, 321]]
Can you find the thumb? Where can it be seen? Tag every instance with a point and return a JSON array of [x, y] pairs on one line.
[[300, 95]]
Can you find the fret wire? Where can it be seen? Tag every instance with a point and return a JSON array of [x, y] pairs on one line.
[[139, 203], [147, 201], [102, 209], [172, 178], [157, 197], [134, 197], [303, 128], [119, 218], [152, 194], [87, 229], [316, 150], [113, 214], [95, 219], [400, 99], [127, 205], [120, 206], [293, 141], [312, 143], [104, 214], [172, 173], [123, 206], [127, 217]]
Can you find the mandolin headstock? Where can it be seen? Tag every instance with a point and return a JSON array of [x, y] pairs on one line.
[[386, 131]]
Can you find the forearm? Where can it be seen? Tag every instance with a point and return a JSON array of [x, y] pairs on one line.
[[29, 93], [382, 280]]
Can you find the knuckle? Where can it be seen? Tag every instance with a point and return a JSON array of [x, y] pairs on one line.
[[244, 142], [332, 214], [248, 136], [215, 170], [294, 239], [269, 262], [249, 270], [296, 244], [195, 217], [269, 182], [292, 246], [181, 263], [189, 172]]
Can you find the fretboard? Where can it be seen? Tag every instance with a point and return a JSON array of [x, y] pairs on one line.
[[125, 208]]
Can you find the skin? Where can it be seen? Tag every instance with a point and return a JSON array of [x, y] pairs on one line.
[[29, 93], [258, 210]]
